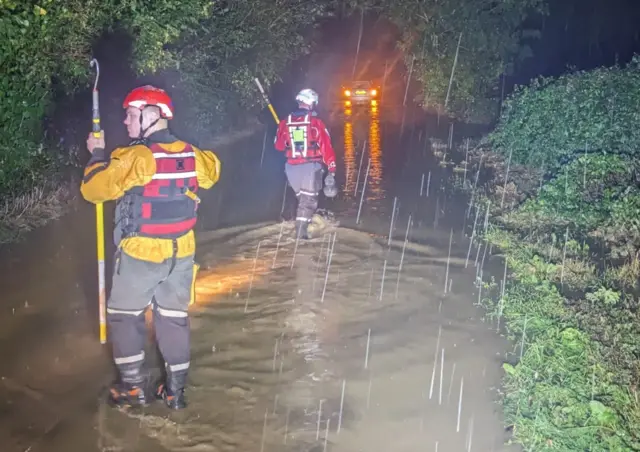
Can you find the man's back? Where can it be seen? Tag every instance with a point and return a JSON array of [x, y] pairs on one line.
[[319, 140]]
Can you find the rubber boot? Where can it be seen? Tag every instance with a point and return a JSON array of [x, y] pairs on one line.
[[132, 389], [302, 230], [172, 391], [317, 225]]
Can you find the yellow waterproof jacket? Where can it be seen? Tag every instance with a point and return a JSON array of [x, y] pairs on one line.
[[134, 166]]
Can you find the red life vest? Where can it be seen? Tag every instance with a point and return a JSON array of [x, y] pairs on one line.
[[167, 206], [303, 136]]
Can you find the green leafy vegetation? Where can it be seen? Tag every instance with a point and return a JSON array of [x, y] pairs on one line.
[[34, 45], [45, 48], [571, 241], [591, 110], [218, 60]]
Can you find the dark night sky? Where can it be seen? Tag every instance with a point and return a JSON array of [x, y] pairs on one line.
[[583, 34]]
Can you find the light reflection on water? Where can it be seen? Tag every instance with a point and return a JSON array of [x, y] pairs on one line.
[[349, 158], [363, 128], [216, 283], [375, 190]]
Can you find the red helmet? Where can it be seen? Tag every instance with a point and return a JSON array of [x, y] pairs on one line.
[[150, 95]]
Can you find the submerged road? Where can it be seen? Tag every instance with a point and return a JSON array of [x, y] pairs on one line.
[[344, 343]]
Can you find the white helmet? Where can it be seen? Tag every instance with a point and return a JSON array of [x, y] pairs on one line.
[[308, 96]]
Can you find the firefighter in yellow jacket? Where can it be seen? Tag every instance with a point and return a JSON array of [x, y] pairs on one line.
[[155, 181]]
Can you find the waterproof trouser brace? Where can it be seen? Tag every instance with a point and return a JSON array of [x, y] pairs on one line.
[[306, 181], [166, 287]]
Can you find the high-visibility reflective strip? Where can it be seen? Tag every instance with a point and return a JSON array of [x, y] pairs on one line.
[[142, 103], [171, 313], [305, 139], [174, 175], [130, 359], [310, 193], [169, 155], [303, 219], [121, 311], [305, 121], [179, 367]]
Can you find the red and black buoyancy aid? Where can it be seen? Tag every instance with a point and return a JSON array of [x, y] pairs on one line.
[[167, 206], [303, 135]]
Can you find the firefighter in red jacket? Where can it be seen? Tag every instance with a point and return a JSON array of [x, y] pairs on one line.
[[307, 145], [155, 181]]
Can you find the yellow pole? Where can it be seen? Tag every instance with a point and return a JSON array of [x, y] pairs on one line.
[[101, 279], [102, 291], [273, 112], [266, 99]]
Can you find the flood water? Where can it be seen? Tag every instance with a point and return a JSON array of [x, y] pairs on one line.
[[348, 342]]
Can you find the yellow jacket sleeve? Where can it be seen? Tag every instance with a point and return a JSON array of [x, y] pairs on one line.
[[207, 168], [107, 180]]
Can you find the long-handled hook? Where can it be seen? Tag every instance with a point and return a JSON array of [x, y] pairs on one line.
[[102, 295], [93, 63], [95, 100]]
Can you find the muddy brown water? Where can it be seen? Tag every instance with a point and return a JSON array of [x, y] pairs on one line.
[[342, 343]]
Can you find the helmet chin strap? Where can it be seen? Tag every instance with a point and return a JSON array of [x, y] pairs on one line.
[[141, 135]]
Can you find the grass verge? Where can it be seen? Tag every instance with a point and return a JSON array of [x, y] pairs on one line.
[[31, 210], [562, 391], [570, 302]]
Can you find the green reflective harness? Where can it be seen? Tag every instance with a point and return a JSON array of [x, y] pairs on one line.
[[299, 133]]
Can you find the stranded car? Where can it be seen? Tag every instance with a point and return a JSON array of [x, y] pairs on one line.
[[360, 92]]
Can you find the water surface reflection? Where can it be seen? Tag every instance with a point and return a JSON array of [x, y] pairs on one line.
[[363, 128]]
